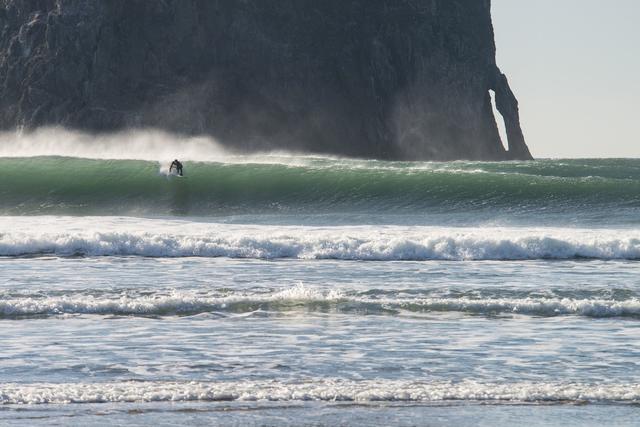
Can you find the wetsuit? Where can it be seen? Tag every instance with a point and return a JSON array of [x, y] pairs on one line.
[[176, 164]]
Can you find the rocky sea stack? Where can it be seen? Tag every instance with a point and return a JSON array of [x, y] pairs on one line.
[[389, 79]]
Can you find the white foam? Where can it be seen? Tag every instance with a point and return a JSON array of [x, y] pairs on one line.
[[532, 306], [106, 236], [324, 390], [177, 302], [174, 302]]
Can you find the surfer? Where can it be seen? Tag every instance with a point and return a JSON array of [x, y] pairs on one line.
[[177, 165]]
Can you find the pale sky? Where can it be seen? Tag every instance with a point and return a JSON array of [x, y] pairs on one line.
[[574, 65]]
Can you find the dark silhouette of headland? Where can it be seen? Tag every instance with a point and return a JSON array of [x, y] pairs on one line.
[[388, 79]]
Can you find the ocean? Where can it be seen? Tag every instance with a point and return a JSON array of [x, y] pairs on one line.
[[294, 290]]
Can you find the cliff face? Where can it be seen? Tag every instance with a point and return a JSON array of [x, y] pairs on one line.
[[375, 78]]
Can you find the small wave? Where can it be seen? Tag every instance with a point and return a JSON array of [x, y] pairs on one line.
[[173, 303], [79, 237], [301, 296], [325, 391]]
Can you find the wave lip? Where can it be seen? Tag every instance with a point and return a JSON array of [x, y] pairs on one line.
[[157, 238], [323, 391]]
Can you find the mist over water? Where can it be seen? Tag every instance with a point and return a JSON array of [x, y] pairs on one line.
[[129, 145], [136, 144]]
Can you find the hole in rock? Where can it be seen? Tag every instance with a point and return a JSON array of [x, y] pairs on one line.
[[502, 128]]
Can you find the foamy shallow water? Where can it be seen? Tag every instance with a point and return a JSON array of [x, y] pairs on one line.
[[250, 341], [321, 414]]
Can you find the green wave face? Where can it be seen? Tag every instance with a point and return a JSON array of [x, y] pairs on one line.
[[593, 190]]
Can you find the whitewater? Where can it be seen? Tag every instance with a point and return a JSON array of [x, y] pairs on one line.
[[116, 236], [286, 289]]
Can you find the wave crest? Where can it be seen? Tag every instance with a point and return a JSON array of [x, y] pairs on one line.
[[301, 296], [155, 238], [326, 390], [221, 183]]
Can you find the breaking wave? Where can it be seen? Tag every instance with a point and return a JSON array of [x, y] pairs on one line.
[[307, 299], [324, 390], [162, 238], [126, 175]]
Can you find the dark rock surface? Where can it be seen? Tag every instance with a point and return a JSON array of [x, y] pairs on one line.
[[374, 78]]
